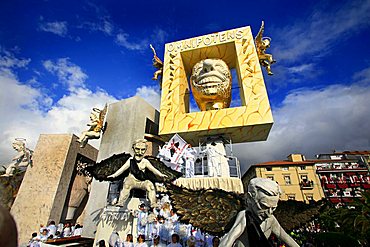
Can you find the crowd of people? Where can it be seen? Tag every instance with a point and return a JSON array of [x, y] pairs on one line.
[[161, 225], [115, 241], [52, 231]]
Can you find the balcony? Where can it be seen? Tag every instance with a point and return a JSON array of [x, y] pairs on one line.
[[306, 185]]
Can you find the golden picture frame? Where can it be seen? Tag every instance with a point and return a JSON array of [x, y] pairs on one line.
[[251, 121]]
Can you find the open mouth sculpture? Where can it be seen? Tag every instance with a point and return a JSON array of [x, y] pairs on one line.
[[211, 84]]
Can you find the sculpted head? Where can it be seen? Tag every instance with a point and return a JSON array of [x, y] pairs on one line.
[[211, 84], [94, 115], [139, 147], [19, 145], [263, 197]]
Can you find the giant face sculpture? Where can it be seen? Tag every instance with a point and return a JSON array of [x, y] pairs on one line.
[[263, 197], [211, 84]]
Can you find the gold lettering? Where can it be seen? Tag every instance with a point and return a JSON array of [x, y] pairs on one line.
[[222, 37], [239, 34], [199, 40], [179, 46], [170, 47], [187, 44], [207, 40], [231, 35]]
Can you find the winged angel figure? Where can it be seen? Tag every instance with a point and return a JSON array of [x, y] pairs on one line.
[[96, 126], [158, 64], [262, 43], [247, 222], [138, 172]]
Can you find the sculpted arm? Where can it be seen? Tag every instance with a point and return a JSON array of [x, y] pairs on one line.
[[282, 235], [120, 170], [154, 170], [236, 231]]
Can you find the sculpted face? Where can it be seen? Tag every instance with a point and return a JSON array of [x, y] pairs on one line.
[[18, 145], [265, 205], [211, 84], [263, 197], [139, 150]]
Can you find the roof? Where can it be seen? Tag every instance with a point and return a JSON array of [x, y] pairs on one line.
[[285, 163]]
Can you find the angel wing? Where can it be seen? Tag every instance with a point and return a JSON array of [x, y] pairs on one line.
[[160, 166], [259, 36], [291, 214], [106, 167], [211, 210], [157, 62], [102, 117]]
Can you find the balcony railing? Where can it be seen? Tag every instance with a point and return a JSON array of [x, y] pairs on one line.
[[306, 185]]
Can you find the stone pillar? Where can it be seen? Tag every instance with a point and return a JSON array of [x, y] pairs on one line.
[[44, 191], [126, 122]]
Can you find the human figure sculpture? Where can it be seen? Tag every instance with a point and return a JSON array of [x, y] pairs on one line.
[[262, 43], [262, 199], [246, 223], [136, 179], [211, 84], [96, 125], [22, 159], [158, 64], [80, 189]]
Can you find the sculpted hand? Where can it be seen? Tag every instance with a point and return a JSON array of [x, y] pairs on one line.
[[111, 176]]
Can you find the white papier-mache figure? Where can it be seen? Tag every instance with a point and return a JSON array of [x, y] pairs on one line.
[[262, 199], [96, 126], [189, 157], [136, 178], [22, 159], [246, 223]]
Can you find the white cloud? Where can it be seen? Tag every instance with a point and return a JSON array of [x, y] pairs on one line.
[[319, 32], [152, 95], [21, 107], [103, 24], [57, 27], [122, 40], [315, 121], [67, 72]]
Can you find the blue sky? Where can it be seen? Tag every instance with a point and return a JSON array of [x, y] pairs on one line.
[[58, 59]]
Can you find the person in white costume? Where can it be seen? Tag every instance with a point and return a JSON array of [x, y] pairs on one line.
[[189, 157]]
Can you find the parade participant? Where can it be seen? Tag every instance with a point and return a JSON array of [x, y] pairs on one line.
[[141, 241], [113, 239], [189, 156], [141, 219], [128, 242], [175, 238], [157, 242]]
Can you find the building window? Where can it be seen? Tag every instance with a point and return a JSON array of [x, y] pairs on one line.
[[304, 178], [270, 177], [291, 197], [268, 168], [302, 167], [309, 197], [287, 180], [285, 168]]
